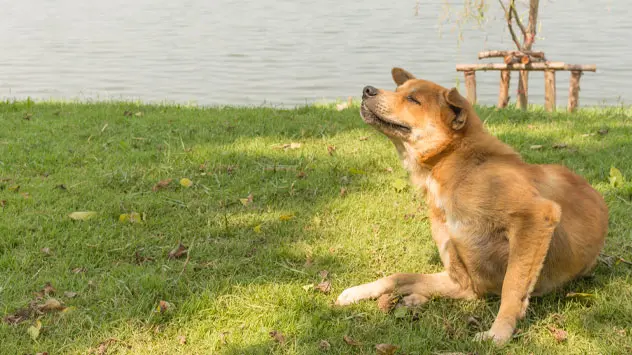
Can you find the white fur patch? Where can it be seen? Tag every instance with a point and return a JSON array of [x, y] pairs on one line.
[[434, 189]]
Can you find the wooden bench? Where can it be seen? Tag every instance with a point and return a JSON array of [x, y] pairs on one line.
[[524, 62]]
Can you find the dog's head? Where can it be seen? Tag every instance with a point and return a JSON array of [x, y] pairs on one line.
[[419, 114]]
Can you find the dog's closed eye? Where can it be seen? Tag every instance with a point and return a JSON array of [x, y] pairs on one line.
[[413, 100]]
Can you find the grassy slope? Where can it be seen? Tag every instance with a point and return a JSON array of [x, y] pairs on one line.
[[241, 283]]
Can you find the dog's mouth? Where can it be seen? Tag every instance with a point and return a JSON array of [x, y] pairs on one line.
[[372, 118]]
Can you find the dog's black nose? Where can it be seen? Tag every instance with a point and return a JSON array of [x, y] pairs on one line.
[[369, 91]]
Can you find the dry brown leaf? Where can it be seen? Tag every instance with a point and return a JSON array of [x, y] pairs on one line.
[[48, 289], [45, 251], [3, 203], [70, 294], [50, 305], [560, 145], [18, 317], [78, 270], [178, 252], [324, 287], [331, 149], [182, 339], [161, 184], [536, 146], [277, 336], [102, 348], [247, 201], [324, 345], [222, 337], [323, 274], [559, 334], [386, 349], [364, 138], [473, 322], [350, 341], [163, 306], [141, 259], [603, 131], [389, 169], [343, 191], [301, 174]]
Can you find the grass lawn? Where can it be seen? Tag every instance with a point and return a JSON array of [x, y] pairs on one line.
[[334, 200]]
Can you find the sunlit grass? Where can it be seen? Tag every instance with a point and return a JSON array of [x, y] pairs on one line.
[[248, 265]]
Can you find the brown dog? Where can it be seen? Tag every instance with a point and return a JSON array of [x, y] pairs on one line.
[[502, 226]]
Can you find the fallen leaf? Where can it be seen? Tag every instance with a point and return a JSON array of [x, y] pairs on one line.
[[127, 113], [51, 304], [186, 182], [18, 317], [331, 149], [246, 201], [603, 131], [473, 322], [257, 228], [61, 187], [138, 114], [182, 339], [14, 188], [102, 348], [559, 334], [323, 274], [133, 217], [616, 177], [163, 306], [536, 147], [386, 349], [295, 145], [78, 270], [560, 145], [3, 203], [324, 345], [409, 216], [26, 195], [343, 191], [350, 341], [178, 252], [286, 217], [399, 185], [324, 287], [222, 337], [70, 294], [530, 126], [355, 171], [277, 336], [400, 312], [364, 138], [301, 174], [141, 259], [389, 169], [308, 287], [45, 251], [27, 116], [82, 216], [34, 330], [48, 289], [161, 184], [579, 295]]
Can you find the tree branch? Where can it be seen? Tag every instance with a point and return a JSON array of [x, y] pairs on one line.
[[512, 8], [509, 25]]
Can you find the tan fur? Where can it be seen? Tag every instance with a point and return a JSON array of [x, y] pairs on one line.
[[502, 226]]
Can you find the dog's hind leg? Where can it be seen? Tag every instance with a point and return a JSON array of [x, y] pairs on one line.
[[418, 288]]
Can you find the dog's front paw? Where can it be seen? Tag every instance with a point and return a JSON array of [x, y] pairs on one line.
[[351, 295], [499, 338]]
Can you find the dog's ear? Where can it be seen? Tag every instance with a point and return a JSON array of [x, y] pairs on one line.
[[458, 104], [401, 76]]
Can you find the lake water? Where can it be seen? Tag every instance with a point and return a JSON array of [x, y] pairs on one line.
[[286, 52]]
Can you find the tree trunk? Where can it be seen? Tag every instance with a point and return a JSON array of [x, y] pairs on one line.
[[523, 80], [503, 96]]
